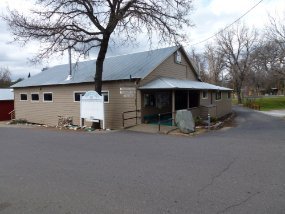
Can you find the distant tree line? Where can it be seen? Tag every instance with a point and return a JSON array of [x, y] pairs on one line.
[[5, 78], [250, 62]]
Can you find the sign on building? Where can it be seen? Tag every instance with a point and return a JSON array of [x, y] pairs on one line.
[[92, 107], [128, 92]]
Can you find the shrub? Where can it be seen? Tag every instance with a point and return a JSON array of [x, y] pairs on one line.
[[198, 121], [19, 121]]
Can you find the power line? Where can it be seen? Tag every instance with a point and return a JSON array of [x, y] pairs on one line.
[[228, 25]]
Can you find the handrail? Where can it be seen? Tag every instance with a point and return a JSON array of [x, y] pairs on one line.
[[12, 114], [165, 113], [129, 118]]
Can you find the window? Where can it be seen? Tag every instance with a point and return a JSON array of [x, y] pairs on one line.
[[105, 95], [178, 57], [23, 97], [149, 100], [218, 95], [48, 97], [204, 94], [229, 94], [35, 97], [77, 95]]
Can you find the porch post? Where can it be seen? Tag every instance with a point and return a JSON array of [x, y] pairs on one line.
[[188, 102], [173, 107]]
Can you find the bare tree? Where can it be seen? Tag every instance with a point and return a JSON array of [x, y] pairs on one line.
[[199, 63], [86, 24], [5, 78], [215, 64], [236, 44], [276, 30], [275, 33]]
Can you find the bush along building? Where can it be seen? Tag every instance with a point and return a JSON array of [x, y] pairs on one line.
[[139, 85]]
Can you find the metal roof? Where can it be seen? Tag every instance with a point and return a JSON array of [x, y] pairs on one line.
[[171, 83], [136, 65], [6, 94]]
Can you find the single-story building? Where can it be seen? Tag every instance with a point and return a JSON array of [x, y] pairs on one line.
[[148, 83], [6, 104]]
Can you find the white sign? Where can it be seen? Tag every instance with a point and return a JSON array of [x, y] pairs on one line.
[[128, 91], [92, 107]]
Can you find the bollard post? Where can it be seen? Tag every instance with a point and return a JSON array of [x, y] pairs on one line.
[[159, 122], [209, 121]]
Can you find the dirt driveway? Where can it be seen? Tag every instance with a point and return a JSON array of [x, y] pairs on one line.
[[237, 170]]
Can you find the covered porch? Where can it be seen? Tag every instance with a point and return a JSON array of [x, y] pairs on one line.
[[161, 98]]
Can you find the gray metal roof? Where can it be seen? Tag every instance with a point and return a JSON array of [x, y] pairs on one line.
[[6, 94], [136, 65], [171, 83]]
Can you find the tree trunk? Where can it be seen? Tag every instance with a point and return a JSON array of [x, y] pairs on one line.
[[100, 63], [238, 90], [239, 97], [99, 70]]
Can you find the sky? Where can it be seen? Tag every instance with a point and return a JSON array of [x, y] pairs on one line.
[[208, 16]]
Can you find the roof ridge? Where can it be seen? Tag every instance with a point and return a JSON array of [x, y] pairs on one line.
[[141, 51]]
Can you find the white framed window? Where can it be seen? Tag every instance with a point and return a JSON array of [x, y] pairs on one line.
[[105, 95], [23, 97], [35, 97], [204, 94], [48, 97], [218, 95], [178, 57], [77, 95]]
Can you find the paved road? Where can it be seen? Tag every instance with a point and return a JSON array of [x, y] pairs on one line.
[[237, 170]]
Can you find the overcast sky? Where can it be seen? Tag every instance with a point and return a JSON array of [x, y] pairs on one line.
[[209, 16]]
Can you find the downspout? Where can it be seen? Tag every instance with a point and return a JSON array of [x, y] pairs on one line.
[[173, 107]]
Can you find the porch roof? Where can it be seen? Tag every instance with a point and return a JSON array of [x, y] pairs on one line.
[[171, 83]]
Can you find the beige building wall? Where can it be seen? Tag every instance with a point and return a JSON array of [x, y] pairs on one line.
[[218, 108], [224, 105], [205, 101], [169, 68], [63, 103]]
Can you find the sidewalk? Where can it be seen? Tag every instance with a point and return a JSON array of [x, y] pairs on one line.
[[275, 113]]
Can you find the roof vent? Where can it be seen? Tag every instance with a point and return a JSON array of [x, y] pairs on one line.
[[69, 77]]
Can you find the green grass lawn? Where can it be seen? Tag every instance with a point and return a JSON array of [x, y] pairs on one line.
[[271, 103], [268, 103]]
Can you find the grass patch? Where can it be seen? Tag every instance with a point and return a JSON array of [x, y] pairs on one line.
[[234, 101], [270, 103], [265, 103]]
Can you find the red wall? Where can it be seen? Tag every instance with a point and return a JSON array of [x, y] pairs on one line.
[[5, 108]]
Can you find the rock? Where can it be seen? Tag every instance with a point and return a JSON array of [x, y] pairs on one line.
[[185, 121], [218, 125]]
